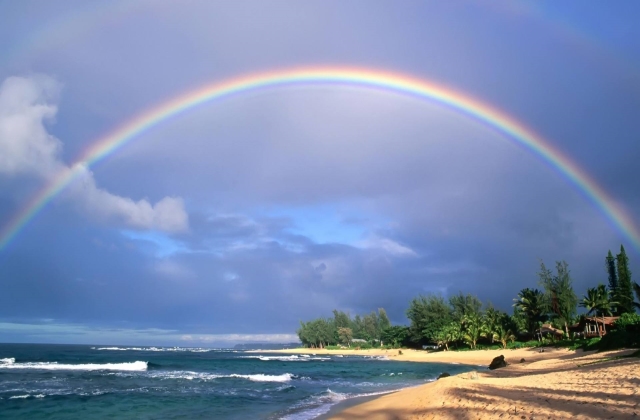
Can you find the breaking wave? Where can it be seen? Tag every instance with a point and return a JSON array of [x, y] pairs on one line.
[[10, 363], [203, 376], [187, 349], [320, 404], [293, 358]]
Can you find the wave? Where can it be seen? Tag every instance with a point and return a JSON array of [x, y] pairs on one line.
[[285, 377], [320, 404], [16, 397], [204, 376], [187, 349], [10, 363], [293, 358]]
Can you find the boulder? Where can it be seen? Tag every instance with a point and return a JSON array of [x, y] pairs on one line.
[[444, 375], [522, 360], [498, 362]]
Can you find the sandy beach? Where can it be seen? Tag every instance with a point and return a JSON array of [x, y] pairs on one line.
[[556, 384]]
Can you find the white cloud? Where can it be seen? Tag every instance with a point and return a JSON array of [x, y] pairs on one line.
[[241, 338], [26, 148], [51, 331], [25, 145], [387, 245]]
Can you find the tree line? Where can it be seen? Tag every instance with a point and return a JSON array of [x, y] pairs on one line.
[[464, 319]]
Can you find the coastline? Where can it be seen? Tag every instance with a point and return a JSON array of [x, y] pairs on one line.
[[473, 358], [554, 384]]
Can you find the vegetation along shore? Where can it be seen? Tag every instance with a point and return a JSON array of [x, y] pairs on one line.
[[558, 363]]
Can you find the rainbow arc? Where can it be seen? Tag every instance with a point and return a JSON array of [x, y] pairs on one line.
[[365, 78]]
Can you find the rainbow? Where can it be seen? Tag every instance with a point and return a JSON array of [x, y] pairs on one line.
[[392, 82]]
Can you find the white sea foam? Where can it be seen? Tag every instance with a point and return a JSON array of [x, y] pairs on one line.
[[282, 358], [8, 360], [203, 376], [321, 404], [285, 377], [186, 349], [131, 366], [19, 397]]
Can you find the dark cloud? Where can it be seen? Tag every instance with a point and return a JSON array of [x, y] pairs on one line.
[[304, 200]]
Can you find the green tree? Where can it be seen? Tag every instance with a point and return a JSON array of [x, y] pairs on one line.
[[463, 305], [317, 333], [519, 320], [449, 334], [530, 305], [610, 266], [341, 319], [383, 319], [395, 335], [346, 335], [624, 295], [371, 328], [428, 314], [503, 335], [358, 328], [472, 329], [597, 301], [560, 298], [491, 321], [636, 290]]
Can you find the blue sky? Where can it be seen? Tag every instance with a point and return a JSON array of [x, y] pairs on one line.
[[238, 219]]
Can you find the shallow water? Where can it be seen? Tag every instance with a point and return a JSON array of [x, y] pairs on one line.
[[91, 382]]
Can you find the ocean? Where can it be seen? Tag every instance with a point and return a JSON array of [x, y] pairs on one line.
[[95, 382]]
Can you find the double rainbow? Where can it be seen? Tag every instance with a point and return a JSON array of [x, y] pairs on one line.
[[393, 82]]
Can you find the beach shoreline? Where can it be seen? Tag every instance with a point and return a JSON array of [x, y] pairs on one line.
[[554, 384], [480, 358]]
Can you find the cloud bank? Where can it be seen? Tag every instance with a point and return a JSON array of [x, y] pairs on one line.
[[27, 149]]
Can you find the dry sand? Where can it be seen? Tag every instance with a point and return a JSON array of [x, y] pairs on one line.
[[555, 384]]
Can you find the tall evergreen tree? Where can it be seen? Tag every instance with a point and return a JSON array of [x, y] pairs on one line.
[[610, 266], [560, 298], [383, 319], [624, 295], [428, 314]]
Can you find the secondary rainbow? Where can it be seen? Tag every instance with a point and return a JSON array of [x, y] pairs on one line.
[[365, 78]]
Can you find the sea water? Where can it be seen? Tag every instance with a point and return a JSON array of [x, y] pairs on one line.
[[96, 382]]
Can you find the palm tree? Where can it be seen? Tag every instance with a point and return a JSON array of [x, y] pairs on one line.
[[472, 329], [591, 302], [448, 334], [598, 301], [491, 322], [531, 303], [503, 335]]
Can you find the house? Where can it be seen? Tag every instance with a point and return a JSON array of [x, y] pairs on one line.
[[594, 326]]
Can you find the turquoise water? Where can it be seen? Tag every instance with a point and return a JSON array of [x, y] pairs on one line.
[[96, 382]]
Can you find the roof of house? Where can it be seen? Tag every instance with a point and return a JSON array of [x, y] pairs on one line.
[[608, 320]]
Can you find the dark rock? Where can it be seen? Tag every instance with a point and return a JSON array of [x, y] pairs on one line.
[[498, 362], [444, 375], [522, 360]]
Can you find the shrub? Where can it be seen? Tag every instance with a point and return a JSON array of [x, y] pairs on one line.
[[628, 322], [592, 344], [618, 339]]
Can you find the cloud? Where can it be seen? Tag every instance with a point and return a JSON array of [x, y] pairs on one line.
[[53, 331], [26, 148], [387, 245], [25, 145]]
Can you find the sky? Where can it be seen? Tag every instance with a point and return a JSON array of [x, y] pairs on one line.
[[239, 218]]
